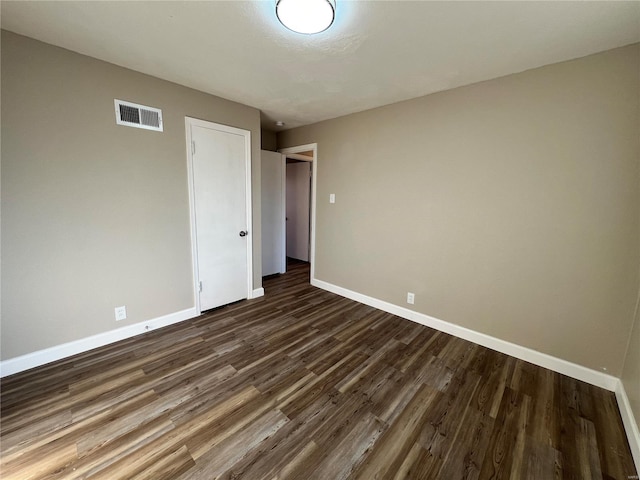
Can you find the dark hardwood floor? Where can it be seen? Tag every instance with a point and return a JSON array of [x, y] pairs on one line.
[[304, 384]]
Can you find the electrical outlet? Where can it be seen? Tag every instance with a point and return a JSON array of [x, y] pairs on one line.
[[121, 313], [332, 198], [411, 298]]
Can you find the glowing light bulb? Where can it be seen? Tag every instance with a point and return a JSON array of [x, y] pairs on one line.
[[306, 16]]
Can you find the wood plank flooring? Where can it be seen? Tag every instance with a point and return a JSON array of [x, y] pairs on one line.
[[304, 384]]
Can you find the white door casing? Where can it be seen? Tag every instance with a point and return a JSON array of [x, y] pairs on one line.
[[219, 162]]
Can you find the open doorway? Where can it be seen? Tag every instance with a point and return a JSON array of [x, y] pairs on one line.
[[298, 209], [299, 188]]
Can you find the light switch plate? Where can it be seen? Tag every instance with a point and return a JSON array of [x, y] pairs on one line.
[[121, 313], [332, 198]]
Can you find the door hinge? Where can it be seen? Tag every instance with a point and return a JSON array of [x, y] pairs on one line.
[[200, 286], [193, 147]]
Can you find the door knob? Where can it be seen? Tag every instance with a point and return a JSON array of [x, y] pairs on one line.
[[243, 233]]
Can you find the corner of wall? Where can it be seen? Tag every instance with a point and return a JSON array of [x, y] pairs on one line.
[[629, 422]]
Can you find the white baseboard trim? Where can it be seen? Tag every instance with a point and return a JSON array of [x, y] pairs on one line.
[[629, 421], [570, 369], [48, 355], [258, 292]]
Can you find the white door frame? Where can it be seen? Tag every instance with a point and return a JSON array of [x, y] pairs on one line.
[[194, 122], [314, 167], [283, 260]]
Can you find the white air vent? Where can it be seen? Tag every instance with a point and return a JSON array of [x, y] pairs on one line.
[[139, 116]]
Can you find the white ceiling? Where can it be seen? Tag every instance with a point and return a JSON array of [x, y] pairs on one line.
[[376, 53]]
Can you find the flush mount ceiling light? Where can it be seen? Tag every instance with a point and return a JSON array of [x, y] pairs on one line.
[[306, 16]]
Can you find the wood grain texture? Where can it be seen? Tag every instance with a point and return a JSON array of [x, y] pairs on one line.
[[304, 384]]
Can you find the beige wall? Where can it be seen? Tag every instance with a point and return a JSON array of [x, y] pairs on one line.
[[631, 371], [510, 207], [268, 140], [95, 215]]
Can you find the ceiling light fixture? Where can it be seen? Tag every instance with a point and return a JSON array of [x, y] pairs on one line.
[[306, 16]]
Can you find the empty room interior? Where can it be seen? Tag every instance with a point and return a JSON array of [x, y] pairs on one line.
[[320, 239]]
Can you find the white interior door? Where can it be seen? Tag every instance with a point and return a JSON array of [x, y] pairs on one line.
[[220, 163], [298, 201], [273, 215]]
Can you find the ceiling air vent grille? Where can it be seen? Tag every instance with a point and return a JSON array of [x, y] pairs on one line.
[[139, 116]]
